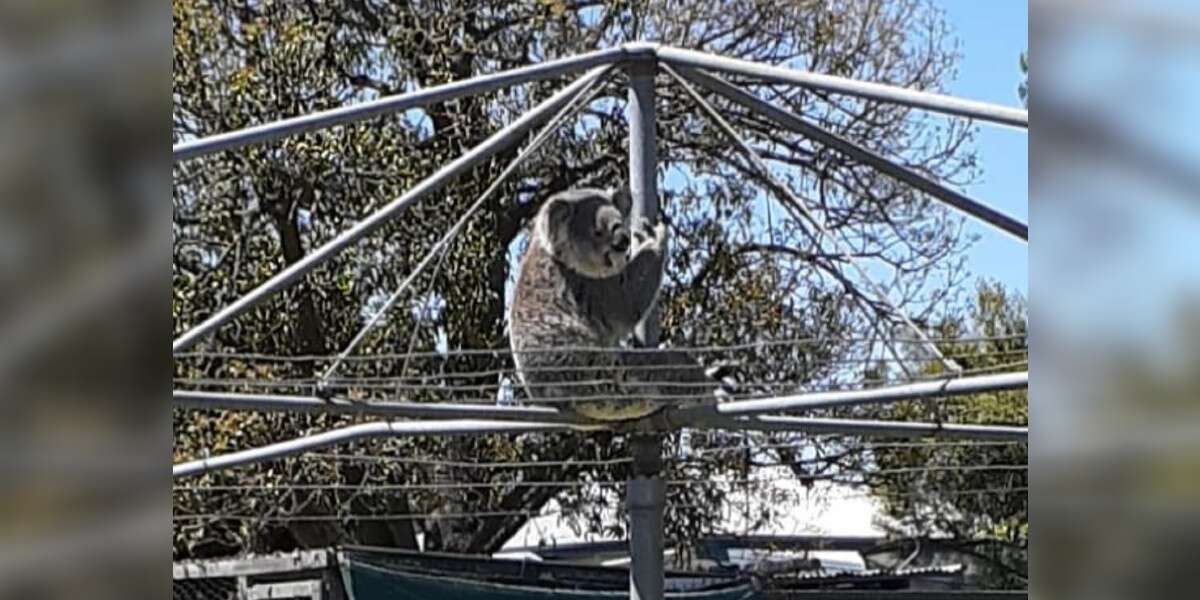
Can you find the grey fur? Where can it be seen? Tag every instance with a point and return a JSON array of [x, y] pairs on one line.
[[586, 280]]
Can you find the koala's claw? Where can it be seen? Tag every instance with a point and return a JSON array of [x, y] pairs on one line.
[[642, 236], [642, 229], [647, 235]]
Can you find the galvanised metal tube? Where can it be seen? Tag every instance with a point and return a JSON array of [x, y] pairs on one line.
[[414, 410], [645, 498], [821, 232], [643, 167], [866, 427], [568, 111], [947, 387], [349, 114], [646, 493], [357, 432], [951, 105], [485, 150], [798, 125]]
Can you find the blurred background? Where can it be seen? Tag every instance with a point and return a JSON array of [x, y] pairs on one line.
[[1113, 283], [84, 265], [1115, 298]]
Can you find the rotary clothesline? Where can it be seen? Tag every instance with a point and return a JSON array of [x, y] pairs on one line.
[[734, 415]]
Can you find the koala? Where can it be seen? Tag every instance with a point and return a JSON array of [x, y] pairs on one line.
[[586, 279]]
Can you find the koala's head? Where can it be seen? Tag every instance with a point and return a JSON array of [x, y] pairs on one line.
[[586, 230]]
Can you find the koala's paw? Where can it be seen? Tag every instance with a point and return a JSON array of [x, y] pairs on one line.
[[642, 230], [649, 236]]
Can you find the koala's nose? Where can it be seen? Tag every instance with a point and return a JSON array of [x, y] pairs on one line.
[[620, 240]]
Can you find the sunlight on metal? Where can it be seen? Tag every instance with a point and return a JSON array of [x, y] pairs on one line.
[[567, 65], [799, 125], [731, 415], [892, 429], [951, 105], [493, 145], [414, 410], [822, 232], [911, 391], [646, 494], [570, 110], [392, 104], [643, 169], [359, 432]]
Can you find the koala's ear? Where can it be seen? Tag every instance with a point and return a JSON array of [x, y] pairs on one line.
[[558, 215], [559, 211], [552, 225], [622, 198]]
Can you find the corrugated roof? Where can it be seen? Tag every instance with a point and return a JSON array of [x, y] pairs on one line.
[[954, 569]]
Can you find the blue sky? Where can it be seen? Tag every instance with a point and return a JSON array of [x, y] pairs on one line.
[[992, 35]]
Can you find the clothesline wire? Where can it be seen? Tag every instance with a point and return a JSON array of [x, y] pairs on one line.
[[212, 517], [506, 351]]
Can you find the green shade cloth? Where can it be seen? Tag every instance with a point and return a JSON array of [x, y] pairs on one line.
[[412, 576]]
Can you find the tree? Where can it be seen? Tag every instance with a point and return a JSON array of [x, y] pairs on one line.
[[740, 263], [974, 493]]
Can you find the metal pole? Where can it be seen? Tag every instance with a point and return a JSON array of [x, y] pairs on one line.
[[646, 493], [357, 432], [643, 166], [646, 498], [888, 429], [818, 400], [983, 111], [798, 125], [391, 104], [412, 410], [493, 145]]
